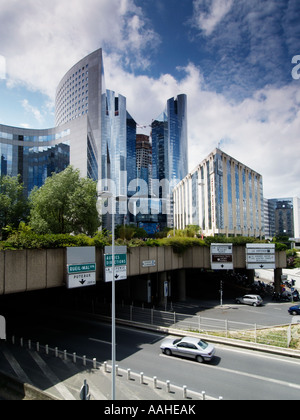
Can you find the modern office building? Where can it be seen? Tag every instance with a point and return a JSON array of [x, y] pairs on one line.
[[222, 196], [76, 138], [93, 132], [169, 154], [284, 217]]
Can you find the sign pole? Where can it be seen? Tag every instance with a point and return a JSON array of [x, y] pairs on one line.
[[113, 309]]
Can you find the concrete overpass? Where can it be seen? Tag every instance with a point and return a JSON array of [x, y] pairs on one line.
[[31, 270]]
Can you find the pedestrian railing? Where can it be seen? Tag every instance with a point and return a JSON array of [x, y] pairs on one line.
[[279, 336]]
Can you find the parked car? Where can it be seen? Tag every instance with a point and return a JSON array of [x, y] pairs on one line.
[[189, 347], [294, 310], [253, 300]]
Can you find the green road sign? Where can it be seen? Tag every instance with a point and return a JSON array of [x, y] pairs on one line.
[[120, 259], [81, 268]]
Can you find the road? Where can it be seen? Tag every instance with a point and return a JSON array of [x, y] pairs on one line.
[[270, 314], [233, 374]]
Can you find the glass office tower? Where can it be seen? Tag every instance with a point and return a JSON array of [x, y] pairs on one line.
[[93, 132], [33, 154], [169, 155], [118, 153]]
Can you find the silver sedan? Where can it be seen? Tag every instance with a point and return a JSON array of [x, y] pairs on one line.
[[189, 347]]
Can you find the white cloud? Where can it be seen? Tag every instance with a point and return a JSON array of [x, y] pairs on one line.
[[33, 110], [209, 13], [261, 131], [41, 40]]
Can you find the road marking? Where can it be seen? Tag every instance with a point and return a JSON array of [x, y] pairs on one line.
[[60, 387], [236, 372], [100, 341], [16, 366]]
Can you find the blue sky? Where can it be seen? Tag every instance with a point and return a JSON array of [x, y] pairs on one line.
[[233, 58]]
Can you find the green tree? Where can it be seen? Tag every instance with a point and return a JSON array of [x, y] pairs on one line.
[[13, 203], [66, 203]]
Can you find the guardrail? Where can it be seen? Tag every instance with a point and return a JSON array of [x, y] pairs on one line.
[[276, 336]]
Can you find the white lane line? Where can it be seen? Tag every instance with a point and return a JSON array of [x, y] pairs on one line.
[[249, 375], [100, 341], [60, 387], [16, 366]]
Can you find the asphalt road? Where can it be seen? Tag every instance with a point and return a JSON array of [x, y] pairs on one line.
[[270, 314], [233, 374]]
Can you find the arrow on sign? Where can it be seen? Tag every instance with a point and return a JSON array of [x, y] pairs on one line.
[[116, 276], [82, 282], [262, 266]]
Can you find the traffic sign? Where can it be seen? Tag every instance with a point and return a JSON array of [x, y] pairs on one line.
[[221, 256], [84, 392], [120, 273], [81, 268], [260, 256], [75, 281], [120, 266], [120, 259]]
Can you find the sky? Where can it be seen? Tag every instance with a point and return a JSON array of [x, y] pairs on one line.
[[236, 60]]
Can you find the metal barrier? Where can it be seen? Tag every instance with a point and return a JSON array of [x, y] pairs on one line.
[[279, 336]]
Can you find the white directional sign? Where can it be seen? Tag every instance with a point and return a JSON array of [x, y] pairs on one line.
[[221, 256], [120, 273], [81, 267], [260, 256], [120, 266], [75, 281]]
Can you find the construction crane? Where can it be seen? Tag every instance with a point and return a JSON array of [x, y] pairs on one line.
[[143, 126]]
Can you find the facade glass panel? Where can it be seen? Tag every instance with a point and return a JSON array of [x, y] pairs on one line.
[[170, 152], [218, 198]]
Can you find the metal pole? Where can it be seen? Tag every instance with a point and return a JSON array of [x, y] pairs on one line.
[[113, 307]]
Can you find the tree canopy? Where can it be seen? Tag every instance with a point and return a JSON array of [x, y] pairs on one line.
[[13, 203], [66, 203]]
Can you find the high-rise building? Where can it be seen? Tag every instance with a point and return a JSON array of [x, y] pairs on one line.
[[93, 132], [222, 196], [169, 154], [284, 217]]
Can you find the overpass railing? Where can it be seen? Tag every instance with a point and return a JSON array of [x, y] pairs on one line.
[[279, 336]]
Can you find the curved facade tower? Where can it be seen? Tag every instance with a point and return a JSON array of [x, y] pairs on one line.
[[93, 132]]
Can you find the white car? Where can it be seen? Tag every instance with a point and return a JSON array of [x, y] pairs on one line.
[[190, 347], [253, 300]]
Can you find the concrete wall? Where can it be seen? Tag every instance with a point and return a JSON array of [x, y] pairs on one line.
[[29, 270]]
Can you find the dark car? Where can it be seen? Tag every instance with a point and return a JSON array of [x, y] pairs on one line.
[[294, 310]]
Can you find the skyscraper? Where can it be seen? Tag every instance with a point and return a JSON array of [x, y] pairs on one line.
[[169, 154], [93, 132]]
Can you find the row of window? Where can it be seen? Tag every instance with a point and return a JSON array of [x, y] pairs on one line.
[[35, 139]]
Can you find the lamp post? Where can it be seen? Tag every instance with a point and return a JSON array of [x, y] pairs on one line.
[[114, 198]]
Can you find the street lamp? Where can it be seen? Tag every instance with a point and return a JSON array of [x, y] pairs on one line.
[[107, 194]]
